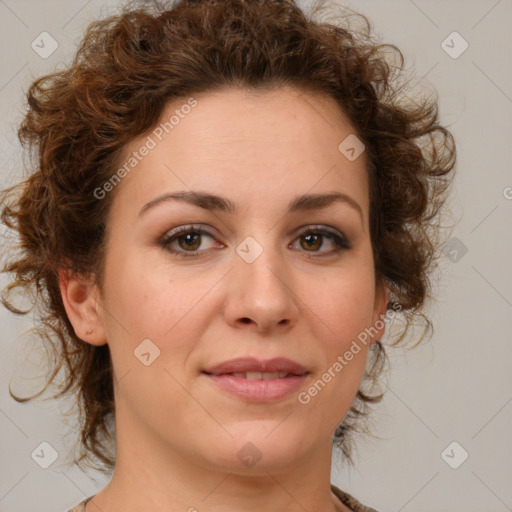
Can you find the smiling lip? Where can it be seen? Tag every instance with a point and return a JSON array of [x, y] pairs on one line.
[[228, 376]]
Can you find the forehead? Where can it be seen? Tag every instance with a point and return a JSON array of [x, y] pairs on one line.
[[276, 121], [252, 146]]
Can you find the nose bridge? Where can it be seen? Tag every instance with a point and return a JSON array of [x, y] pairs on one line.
[[262, 290], [259, 265]]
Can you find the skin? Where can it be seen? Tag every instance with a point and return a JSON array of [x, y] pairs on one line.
[[178, 434]]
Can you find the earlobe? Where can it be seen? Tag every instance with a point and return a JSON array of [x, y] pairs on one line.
[[81, 299]]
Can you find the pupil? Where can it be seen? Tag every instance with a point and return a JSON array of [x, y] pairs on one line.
[[311, 240], [189, 240]]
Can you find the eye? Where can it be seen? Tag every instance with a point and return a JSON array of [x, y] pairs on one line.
[[188, 240], [314, 238]]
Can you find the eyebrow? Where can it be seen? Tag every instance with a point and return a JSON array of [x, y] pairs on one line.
[[214, 202]]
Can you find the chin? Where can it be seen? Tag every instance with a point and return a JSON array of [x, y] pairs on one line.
[[261, 447]]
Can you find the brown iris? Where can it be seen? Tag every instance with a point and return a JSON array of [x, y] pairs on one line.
[[316, 241], [195, 245]]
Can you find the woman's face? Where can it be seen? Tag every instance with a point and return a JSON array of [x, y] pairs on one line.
[[265, 269]]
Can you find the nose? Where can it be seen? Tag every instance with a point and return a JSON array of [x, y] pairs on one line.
[[260, 294]]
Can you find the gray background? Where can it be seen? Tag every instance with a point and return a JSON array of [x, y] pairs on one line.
[[457, 387]]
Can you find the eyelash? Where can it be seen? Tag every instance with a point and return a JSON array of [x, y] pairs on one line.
[[341, 242]]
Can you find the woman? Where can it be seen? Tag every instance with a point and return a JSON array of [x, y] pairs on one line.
[[230, 201]]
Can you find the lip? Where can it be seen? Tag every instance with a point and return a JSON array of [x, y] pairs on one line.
[[251, 364], [260, 390]]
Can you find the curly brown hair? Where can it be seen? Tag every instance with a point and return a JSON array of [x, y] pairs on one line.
[[126, 69]]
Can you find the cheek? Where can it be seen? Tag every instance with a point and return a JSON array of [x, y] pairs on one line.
[[141, 297], [343, 310], [145, 303], [344, 304]]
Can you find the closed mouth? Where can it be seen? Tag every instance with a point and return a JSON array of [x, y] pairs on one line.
[[258, 375]]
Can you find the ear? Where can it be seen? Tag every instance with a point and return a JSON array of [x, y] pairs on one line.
[[379, 312], [82, 302]]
